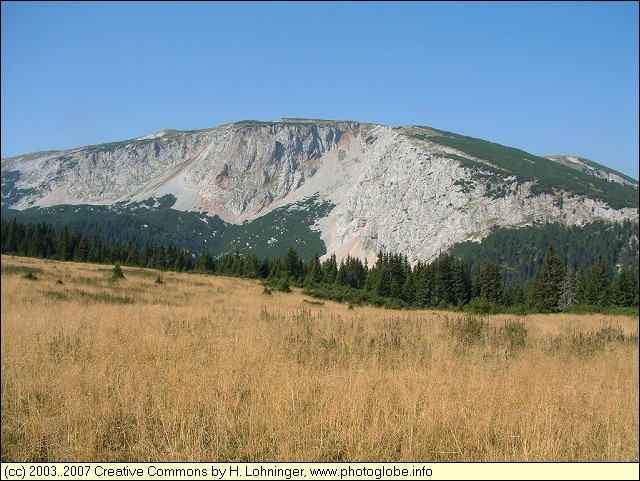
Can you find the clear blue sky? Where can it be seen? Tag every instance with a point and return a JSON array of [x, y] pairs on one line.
[[544, 77]]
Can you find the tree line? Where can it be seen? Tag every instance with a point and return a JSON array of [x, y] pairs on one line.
[[521, 251], [447, 282]]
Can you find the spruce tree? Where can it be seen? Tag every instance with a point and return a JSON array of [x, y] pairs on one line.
[[82, 251], [342, 278], [205, 263], [580, 286], [409, 289], [546, 288], [461, 282], [116, 273], [15, 233], [568, 296], [330, 269], [625, 289], [62, 248], [443, 285], [314, 275], [293, 264], [598, 288], [488, 284]]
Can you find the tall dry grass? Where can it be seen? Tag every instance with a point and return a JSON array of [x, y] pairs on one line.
[[204, 368]]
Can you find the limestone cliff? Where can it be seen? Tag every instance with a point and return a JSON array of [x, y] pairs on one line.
[[393, 188]]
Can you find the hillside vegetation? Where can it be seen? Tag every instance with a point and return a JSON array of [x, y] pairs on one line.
[[155, 221], [549, 176], [165, 366], [578, 275]]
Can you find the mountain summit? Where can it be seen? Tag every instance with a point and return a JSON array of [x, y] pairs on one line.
[[342, 187]]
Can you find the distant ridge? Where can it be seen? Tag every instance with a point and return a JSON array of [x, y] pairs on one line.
[[332, 186]]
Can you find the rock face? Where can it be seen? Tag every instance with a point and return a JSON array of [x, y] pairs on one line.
[[592, 168], [392, 190]]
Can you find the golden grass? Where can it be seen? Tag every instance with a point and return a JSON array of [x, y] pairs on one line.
[[205, 368]]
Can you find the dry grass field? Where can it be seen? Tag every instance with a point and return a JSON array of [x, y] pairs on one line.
[[212, 369]]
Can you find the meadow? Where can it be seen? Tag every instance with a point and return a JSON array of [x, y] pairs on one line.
[[162, 366]]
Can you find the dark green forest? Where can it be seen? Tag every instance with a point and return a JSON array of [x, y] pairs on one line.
[[154, 220], [556, 279], [521, 252]]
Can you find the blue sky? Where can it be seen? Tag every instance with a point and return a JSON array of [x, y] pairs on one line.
[[545, 77]]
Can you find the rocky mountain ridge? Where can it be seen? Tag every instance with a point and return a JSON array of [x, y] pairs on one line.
[[414, 190]]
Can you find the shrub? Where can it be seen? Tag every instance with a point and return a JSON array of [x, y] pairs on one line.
[[283, 285], [469, 331], [514, 334], [117, 273], [482, 306]]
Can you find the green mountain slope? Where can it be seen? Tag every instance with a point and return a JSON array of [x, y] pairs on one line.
[[155, 220], [549, 176], [272, 234], [520, 252]]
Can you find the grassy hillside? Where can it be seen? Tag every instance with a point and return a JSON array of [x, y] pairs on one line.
[[196, 368]]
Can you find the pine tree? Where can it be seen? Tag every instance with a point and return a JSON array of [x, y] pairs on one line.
[[96, 253], [14, 236], [82, 252], [424, 282], [293, 264], [205, 263], [33, 241], [625, 289], [314, 275], [409, 289], [488, 284], [568, 296], [443, 288], [171, 256], [275, 268], [461, 282], [263, 269], [383, 282], [158, 261], [342, 279], [580, 286], [62, 247], [133, 254], [355, 272], [373, 278], [598, 288], [514, 296], [188, 261], [330, 269], [546, 287], [147, 254], [116, 273]]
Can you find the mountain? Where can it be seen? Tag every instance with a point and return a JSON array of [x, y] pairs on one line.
[[340, 187]]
